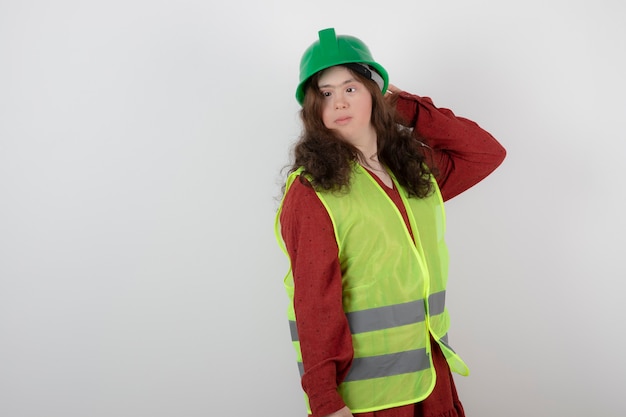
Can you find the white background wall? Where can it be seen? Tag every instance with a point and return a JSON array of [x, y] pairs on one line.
[[141, 144]]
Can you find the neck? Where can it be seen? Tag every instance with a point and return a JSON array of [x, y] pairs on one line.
[[368, 145], [371, 162]]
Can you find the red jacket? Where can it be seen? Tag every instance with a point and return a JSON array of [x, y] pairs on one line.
[[464, 154]]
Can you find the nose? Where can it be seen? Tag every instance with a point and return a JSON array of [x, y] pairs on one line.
[[340, 102]]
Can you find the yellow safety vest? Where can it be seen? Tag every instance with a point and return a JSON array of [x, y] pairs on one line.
[[393, 292]]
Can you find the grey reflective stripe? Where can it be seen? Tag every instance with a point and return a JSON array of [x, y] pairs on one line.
[[293, 329], [389, 316], [384, 365], [388, 365], [436, 303], [386, 317]]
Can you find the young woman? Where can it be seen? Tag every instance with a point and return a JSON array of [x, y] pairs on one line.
[[362, 222]]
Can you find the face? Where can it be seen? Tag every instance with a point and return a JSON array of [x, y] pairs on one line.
[[347, 105]]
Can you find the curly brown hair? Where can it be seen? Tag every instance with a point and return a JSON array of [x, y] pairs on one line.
[[328, 161]]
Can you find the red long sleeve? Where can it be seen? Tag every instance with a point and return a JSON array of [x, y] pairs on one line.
[[464, 155], [325, 339], [462, 151]]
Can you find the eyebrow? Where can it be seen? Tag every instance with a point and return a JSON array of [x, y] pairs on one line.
[[348, 81]]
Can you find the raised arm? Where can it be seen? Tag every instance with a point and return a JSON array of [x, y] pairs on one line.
[[463, 153]]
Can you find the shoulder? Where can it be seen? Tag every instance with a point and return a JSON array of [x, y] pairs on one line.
[[301, 199], [303, 212], [300, 192]]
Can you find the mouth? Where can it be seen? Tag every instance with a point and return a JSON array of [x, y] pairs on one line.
[[343, 120]]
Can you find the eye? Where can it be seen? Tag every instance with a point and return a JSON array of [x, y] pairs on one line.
[[326, 93], [351, 89]]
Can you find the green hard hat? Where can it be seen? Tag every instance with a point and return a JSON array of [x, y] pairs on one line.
[[331, 50]]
